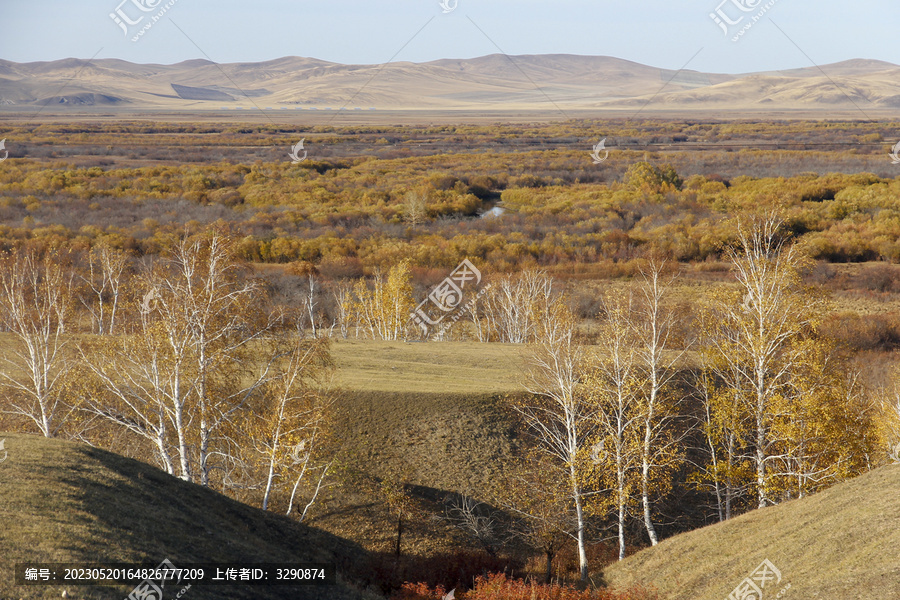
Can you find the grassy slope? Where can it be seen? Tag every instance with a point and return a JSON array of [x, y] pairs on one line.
[[67, 502], [841, 543], [435, 409], [434, 412]]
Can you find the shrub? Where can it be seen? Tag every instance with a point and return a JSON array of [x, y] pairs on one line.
[[859, 333], [457, 569], [497, 586], [879, 277], [651, 179]]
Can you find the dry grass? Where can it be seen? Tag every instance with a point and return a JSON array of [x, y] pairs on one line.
[[437, 443], [840, 543], [67, 502], [428, 367], [489, 83], [434, 415]]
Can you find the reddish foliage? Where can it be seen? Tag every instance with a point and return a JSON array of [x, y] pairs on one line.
[[454, 569], [497, 586], [419, 591]]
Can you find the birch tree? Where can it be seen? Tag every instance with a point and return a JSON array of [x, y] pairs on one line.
[[614, 392], [105, 275], [511, 309], [343, 303], [35, 306], [311, 292], [200, 289], [292, 418], [415, 207], [311, 302], [653, 324], [140, 386], [778, 400], [888, 422], [383, 307], [827, 434], [723, 425], [754, 337], [147, 377], [558, 413], [187, 368], [885, 410]]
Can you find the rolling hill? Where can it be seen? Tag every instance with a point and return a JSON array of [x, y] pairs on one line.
[[494, 82], [434, 411], [840, 543], [68, 502]]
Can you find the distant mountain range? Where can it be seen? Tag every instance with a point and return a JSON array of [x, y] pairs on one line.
[[494, 82]]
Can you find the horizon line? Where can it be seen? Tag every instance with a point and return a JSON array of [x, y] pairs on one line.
[[495, 54]]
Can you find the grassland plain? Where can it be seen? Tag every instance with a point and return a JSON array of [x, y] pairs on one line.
[[68, 502], [429, 367], [439, 412], [838, 544]]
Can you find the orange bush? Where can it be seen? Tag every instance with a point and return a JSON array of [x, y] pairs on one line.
[[497, 586]]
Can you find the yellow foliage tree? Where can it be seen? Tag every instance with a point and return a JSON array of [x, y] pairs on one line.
[[780, 394], [614, 385], [383, 308], [557, 411], [289, 423]]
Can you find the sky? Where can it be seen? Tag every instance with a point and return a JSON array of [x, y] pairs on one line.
[[666, 34]]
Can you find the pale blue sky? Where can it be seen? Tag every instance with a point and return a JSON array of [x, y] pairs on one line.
[[661, 33]]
